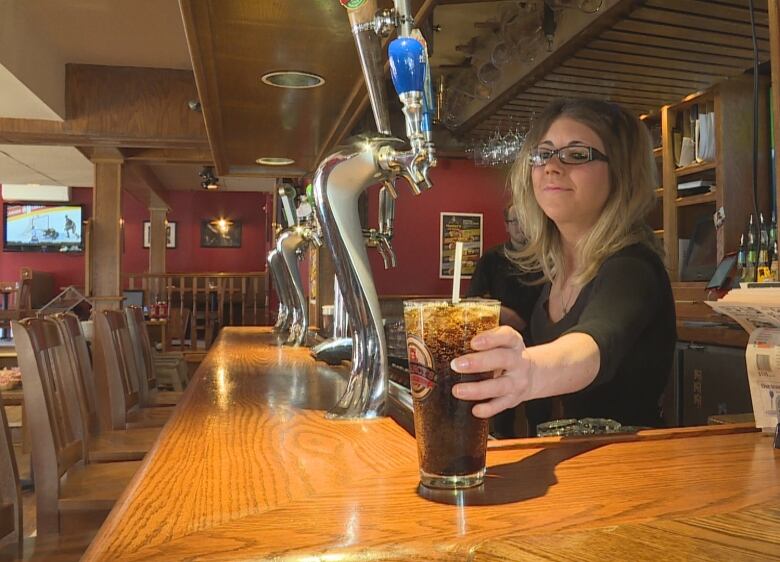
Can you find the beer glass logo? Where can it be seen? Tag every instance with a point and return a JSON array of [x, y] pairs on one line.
[[421, 374]]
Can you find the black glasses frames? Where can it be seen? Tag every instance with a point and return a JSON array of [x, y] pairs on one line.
[[572, 155]]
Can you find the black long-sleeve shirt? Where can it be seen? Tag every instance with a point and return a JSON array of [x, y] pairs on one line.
[[628, 309]]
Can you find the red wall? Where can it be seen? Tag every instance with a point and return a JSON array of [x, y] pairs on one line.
[[189, 208], [458, 186], [66, 269]]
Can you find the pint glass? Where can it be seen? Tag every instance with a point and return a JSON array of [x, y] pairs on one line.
[[451, 442]]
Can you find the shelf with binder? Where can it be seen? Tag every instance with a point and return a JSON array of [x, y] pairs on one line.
[[725, 161]]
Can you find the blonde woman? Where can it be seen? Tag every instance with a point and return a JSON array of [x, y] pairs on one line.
[[603, 329]]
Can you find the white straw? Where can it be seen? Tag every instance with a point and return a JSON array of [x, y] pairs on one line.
[[456, 275]]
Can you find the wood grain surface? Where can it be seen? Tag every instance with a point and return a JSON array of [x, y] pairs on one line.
[[249, 469]]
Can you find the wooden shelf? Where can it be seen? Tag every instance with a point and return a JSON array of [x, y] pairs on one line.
[[695, 168], [695, 199], [658, 151], [659, 192], [659, 232]]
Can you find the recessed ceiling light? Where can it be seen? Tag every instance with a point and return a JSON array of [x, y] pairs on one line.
[[268, 161], [294, 79]]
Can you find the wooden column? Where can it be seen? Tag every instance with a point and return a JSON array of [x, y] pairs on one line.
[[106, 249], [157, 239], [774, 56]]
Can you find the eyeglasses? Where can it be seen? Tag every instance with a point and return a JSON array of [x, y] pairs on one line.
[[571, 155]]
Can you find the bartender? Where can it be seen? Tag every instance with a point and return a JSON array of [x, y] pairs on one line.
[[603, 328]]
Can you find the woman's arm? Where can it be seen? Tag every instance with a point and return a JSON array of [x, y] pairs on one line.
[[565, 365]]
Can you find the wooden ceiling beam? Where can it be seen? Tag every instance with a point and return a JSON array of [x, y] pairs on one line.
[[142, 183], [168, 156], [118, 107]]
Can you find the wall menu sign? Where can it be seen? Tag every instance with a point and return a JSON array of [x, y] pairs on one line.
[[463, 227]]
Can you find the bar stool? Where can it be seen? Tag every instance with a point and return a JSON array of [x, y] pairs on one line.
[[68, 491], [101, 446], [145, 369], [121, 380]]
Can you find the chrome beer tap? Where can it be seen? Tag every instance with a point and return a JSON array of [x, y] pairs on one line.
[[291, 245], [343, 176], [277, 267], [283, 318]]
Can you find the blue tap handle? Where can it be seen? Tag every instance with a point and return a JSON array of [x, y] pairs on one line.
[[429, 105], [407, 65]]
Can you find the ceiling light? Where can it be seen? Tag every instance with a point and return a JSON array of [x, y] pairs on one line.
[[209, 180], [294, 79], [270, 161]]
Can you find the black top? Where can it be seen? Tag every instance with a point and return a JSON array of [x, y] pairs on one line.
[[628, 309], [498, 278]]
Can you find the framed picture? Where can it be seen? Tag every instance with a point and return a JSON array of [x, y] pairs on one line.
[[220, 233], [170, 230], [463, 227]]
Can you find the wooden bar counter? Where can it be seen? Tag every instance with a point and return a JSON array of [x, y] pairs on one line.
[[248, 469]]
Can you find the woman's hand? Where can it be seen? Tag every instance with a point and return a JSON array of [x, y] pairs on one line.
[[502, 351]]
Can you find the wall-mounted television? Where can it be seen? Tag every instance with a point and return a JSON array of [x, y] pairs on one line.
[[41, 227]]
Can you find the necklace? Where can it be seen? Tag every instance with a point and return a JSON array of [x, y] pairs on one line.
[[565, 304]]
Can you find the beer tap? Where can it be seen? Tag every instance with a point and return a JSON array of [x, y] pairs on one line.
[[283, 318], [291, 245], [345, 174], [277, 267]]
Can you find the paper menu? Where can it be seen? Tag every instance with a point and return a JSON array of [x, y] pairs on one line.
[[763, 366]]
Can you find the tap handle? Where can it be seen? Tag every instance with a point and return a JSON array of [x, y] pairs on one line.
[[407, 65], [287, 196], [386, 251]]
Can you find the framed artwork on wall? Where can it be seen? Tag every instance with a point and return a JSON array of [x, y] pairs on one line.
[[170, 230], [463, 227], [220, 233]]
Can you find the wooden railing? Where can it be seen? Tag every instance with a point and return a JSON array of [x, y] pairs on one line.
[[209, 300]]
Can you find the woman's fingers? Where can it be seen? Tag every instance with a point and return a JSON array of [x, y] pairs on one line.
[[503, 336], [489, 388], [492, 407], [501, 358]]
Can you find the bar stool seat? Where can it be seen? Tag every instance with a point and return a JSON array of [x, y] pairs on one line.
[[94, 487]]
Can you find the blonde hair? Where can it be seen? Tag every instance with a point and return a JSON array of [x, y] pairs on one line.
[[632, 179]]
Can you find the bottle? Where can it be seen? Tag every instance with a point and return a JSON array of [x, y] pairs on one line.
[[775, 267], [773, 237], [741, 257], [763, 248], [750, 265]]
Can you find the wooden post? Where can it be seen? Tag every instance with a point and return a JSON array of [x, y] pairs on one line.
[[106, 249], [157, 239]]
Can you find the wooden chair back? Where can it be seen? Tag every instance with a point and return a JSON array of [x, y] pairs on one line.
[[117, 352], [50, 402], [81, 363], [22, 300], [10, 492], [178, 322], [142, 352]]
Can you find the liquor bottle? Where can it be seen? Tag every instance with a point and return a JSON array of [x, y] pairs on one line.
[[741, 257], [774, 268], [750, 267], [763, 248]]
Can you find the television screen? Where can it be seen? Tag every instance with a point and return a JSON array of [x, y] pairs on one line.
[[42, 228]]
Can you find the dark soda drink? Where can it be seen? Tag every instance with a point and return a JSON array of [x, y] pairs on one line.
[[451, 441]]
